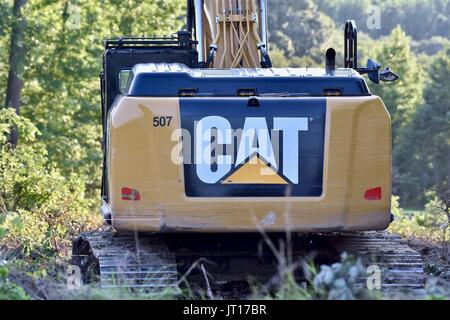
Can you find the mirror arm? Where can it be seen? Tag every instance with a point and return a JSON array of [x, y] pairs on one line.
[[365, 70]]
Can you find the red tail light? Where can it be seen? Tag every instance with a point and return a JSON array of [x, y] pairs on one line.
[[373, 194], [130, 194]]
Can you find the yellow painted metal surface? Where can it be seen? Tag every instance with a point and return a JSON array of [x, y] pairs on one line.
[[357, 158], [255, 171]]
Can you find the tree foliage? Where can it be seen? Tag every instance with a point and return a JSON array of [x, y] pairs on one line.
[[65, 45], [403, 96], [298, 28], [424, 154], [421, 19]]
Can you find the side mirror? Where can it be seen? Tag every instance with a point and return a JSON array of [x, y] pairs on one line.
[[375, 75], [388, 76]]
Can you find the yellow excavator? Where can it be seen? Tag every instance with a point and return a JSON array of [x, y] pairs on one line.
[[207, 147]]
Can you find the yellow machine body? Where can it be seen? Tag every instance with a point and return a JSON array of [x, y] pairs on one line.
[[356, 161]]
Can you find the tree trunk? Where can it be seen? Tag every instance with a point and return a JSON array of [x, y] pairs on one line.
[[16, 59]]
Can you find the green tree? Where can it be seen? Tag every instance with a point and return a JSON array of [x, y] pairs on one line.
[[421, 19], [423, 157], [298, 28], [403, 96], [342, 10], [64, 57]]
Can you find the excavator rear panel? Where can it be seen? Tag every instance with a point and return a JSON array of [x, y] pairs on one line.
[[234, 150]]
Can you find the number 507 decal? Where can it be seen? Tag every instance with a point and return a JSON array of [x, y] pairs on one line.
[[162, 121]]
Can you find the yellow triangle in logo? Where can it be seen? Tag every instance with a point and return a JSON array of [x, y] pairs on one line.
[[255, 171]]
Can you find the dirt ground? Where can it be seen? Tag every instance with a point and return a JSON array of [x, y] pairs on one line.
[[435, 260]]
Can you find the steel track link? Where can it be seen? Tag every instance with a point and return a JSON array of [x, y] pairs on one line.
[[139, 263], [401, 267]]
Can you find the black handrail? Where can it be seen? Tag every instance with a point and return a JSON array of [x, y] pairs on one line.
[[351, 45]]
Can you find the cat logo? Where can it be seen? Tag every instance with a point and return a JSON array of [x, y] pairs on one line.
[[260, 157], [230, 150]]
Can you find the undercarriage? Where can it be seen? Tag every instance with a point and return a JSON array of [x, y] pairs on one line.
[[151, 263]]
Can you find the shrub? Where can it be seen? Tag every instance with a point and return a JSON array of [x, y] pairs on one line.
[[9, 290], [339, 281], [41, 209], [431, 224]]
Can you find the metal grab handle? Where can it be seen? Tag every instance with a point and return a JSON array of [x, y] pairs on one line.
[[351, 45], [199, 29]]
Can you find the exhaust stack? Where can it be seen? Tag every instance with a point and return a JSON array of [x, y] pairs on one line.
[[330, 61]]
